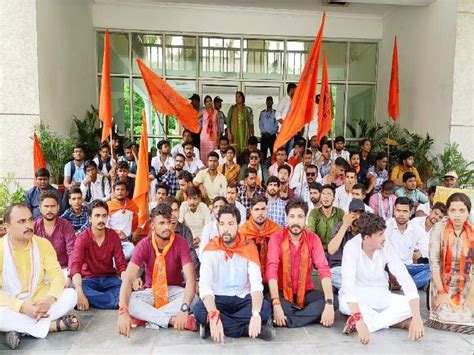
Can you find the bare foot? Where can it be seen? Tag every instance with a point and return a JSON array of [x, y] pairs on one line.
[[404, 324]]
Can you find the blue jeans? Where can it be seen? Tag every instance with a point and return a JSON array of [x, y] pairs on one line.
[[102, 292], [336, 279], [420, 273], [235, 313]]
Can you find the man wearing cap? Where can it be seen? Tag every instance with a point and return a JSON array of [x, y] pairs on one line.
[[268, 127], [341, 234], [220, 114], [196, 104], [450, 179]]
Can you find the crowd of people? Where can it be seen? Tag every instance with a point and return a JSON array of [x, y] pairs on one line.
[[239, 240]]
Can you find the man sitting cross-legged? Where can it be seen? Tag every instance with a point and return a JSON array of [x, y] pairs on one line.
[[96, 262], [28, 304], [364, 294], [292, 255], [164, 301], [231, 287]]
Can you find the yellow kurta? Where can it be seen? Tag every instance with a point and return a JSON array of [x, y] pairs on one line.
[[49, 266]]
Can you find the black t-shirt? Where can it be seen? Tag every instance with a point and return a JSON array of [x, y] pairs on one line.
[[336, 259], [366, 163]]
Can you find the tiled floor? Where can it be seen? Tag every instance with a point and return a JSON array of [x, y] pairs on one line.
[[99, 335]]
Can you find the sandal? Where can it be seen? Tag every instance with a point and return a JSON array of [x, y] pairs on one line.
[[68, 321]]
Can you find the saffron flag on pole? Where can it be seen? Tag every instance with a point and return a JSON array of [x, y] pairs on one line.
[[140, 194], [393, 92], [325, 106], [167, 101], [38, 157], [105, 100], [302, 104]]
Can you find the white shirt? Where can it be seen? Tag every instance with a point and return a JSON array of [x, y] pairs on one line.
[[343, 198], [104, 166], [364, 280], [235, 276], [178, 149], [194, 167], [122, 221], [282, 109], [95, 189], [242, 211], [404, 244], [425, 238], [313, 124], [195, 221], [157, 164], [299, 174], [425, 207], [223, 158], [214, 188], [344, 154], [208, 232]]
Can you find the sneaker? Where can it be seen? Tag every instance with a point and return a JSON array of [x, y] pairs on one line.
[[12, 339], [267, 333], [204, 331]]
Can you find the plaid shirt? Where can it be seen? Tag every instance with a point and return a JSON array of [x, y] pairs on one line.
[[79, 223], [171, 180], [244, 199], [276, 211]]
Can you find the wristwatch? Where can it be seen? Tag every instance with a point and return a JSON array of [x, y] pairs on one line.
[[329, 301], [185, 307], [255, 314]]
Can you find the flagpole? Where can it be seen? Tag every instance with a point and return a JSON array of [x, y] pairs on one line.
[[112, 158], [302, 160]]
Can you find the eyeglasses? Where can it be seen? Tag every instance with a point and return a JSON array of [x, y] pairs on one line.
[[253, 158], [310, 174]]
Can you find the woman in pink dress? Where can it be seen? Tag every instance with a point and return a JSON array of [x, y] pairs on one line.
[[210, 129]]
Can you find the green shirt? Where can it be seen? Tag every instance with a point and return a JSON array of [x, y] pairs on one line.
[[322, 225]]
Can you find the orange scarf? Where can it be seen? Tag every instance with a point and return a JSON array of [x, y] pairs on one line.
[[287, 272], [115, 205], [241, 247], [250, 231], [447, 252], [160, 283]]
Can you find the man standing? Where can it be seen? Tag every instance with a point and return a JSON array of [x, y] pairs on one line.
[[211, 183], [95, 186], [249, 189], [74, 171], [28, 305], [322, 220], [192, 163], [231, 287], [409, 190], [276, 206], [364, 294], [292, 254], [32, 199], [196, 104], [268, 127], [78, 213], [282, 110], [194, 214], [231, 197], [97, 261], [56, 230], [167, 298], [171, 177], [407, 164], [220, 114]]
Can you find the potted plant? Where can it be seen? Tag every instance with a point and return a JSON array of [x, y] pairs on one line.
[[10, 192], [87, 132]]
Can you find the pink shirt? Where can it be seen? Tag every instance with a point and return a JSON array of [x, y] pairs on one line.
[[175, 259], [273, 170], [317, 257], [386, 202]]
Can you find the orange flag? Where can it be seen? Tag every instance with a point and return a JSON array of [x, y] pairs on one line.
[[140, 194], [105, 100], [325, 107], [167, 101], [38, 157], [302, 104], [393, 91]]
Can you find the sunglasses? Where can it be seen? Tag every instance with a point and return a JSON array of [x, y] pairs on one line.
[[310, 174]]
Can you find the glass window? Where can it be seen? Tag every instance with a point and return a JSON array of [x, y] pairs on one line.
[[180, 55], [220, 57], [362, 61], [119, 59], [338, 97], [296, 55], [336, 53], [150, 50], [120, 90], [360, 108], [263, 59]]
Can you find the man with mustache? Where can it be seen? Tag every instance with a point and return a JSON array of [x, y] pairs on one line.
[[57, 230], [97, 261], [231, 287], [167, 297], [292, 255], [32, 198], [275, 205], [28, 305], [210, 229], [364, 294]]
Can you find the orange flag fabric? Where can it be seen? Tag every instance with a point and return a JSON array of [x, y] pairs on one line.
[[140, 194], [105, 100], [393, 91], [302, 104], [38, 156], [167, 101], [325, 107]]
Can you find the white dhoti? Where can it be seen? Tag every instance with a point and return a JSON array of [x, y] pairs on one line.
[[15, 321], [398, 310], [141, 306]]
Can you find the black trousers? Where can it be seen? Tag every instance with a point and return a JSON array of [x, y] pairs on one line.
[[266, 143]]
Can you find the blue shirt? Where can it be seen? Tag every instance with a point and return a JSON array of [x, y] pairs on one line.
[[415, 196], [276, 211], [79, 223], [171, 180], [32, 199], [79, 173], [380, 175], [268, 122]]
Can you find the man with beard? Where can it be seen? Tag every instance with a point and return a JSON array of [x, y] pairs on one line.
[[222, 150], [314, 195], [74, 170], [450, 180], [407, 164], [292, 255], [259, 228], [284, 174], [231, 197], [275, 205], [192, 163], [57, 230], [249, 189], [364, 294], [161, 194], [344, 192], [409, 190], [426, 223], [163, 162], [123, 218], [185, 180], [194, 214], [379, 171], [231, 288], [300, 169], [167, 298], [302, 190], [97, 261], [32, 199], [339, 151], [406, 239], [210, 230], [211, 182], [362, 173], [322, 220], [336, 173], [171, 177], [342, 233], [28, 304], [178, 148]]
